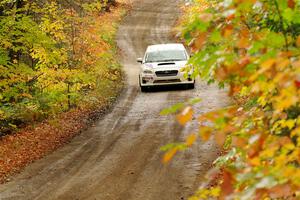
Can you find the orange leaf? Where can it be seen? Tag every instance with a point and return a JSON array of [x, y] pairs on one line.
[[198, 42], [243, 43], [268, 64], [255, 161], [234, 67], [230, 17], [281, 191], [169, 155], [238, 142], [185, 116], [296, 64], [27, 95], [221, 73], [234, 89], [286, 54], [298, 41], [244, 61], [291, 4], [284, 140], [226, 186], [297, 84], [245, 33], [256, 147], [227, 31], [205, 133], [190, 140], [220, 138]]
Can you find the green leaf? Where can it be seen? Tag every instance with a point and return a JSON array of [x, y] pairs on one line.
[[288, 15], [275, 40], [215, 36], [170, 146], [173, 109], [194, 101]]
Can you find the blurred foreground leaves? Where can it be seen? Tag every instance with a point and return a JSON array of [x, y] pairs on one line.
[[251, 47]]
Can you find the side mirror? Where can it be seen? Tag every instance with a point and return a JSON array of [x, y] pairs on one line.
[[139, 60]]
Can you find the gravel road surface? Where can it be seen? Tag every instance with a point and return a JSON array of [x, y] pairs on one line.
[[119, 158]]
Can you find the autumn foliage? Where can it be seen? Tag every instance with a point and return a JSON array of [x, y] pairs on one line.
[[65, 59], [251, 47], [54, 56]]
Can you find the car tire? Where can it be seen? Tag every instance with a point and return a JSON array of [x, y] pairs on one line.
[[143, 88]]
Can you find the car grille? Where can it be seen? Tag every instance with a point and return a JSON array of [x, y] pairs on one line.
[[166, 73], [167, 81]]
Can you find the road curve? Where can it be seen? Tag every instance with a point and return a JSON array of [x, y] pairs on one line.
[[119, 158]]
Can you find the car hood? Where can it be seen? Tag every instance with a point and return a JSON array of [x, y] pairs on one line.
[[170, 65]]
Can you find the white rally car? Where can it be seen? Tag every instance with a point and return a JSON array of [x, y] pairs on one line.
[[163, 64]]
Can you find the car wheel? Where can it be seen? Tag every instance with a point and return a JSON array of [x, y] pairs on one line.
[[143, 88]]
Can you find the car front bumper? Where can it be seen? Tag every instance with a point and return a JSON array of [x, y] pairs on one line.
[[154, 80]]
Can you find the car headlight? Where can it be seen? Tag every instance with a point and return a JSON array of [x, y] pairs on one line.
[[147, 71]]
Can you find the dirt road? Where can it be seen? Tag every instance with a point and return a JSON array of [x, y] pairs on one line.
[[119, 158]]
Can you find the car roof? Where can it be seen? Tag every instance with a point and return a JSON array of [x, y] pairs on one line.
[[163, 47]]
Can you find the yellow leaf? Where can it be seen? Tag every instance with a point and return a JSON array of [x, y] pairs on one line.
[[27, 95], [269, 152], [268, 64], [295, 132], [281, 160], [283, 63], [215, 192], [185, 116], [255, 161], [286, 98], [290, 123], [190, 140], [169, 155]]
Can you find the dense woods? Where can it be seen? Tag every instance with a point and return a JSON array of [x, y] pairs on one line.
[[59, 73], [54, 55], [251, 47]]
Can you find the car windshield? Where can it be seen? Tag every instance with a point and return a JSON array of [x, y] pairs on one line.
[[166, 55]]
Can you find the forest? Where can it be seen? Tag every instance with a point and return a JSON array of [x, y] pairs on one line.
[[54, 57]]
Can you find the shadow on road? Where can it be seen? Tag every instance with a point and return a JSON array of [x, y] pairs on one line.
[[167, 88]]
